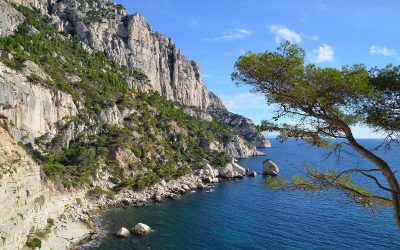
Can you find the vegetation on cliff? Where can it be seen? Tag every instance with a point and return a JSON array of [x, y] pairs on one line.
[[166, 143]]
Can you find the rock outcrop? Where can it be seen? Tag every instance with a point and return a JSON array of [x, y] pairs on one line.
[[270, 168], [129, 40], [123, 232], [141, 229], [33, 110], [241, 125], [239, 148], [9, 19], [232, 170], [27, 203]]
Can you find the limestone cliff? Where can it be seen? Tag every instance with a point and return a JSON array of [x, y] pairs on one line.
[[241, 125], [75, 112], [129, 40], [32, 109], [27, 203]]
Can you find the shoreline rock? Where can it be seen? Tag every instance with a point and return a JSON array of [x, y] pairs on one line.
[[123, 232], [270, 168], [141, 229]]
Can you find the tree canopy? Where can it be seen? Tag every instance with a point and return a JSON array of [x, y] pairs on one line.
[[325, 103]]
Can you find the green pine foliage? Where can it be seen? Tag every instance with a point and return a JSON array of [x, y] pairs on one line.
[[168, 142]]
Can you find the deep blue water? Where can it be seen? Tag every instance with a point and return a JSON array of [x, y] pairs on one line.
[[247, 214]]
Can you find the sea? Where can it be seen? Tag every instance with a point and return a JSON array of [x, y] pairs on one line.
[[249, 214]]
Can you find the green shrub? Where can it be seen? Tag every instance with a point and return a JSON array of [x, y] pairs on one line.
[[34, 243]]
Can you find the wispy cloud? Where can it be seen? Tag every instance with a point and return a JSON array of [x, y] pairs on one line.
[[381, 50], [235, 34], [245, 99], [324, 53], [283, 33]]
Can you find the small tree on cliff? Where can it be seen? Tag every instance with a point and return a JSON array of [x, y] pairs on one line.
[[326, 102]]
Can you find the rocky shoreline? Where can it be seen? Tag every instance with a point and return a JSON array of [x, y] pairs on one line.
[[78, 219]]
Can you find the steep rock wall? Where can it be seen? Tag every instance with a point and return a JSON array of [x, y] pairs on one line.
[[129, 40], [33, 110], [26, 202]]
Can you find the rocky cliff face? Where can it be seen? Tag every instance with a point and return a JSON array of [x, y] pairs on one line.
[[107, 142], [27, 204], [9, 19], [129, 40], [31, 109], [241, 125]]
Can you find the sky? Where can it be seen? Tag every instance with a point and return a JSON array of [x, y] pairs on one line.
[[215, 33]]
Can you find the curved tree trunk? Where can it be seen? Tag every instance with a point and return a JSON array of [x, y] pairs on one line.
[[384, 168], [376, 160]]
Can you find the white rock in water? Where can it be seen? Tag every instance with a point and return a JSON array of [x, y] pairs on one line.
[[270, 168], [123, 232], [232, 170], [141, 229], [239, 169], [252, 174]]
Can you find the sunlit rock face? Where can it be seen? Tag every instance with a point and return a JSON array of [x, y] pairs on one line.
[[129, 40]]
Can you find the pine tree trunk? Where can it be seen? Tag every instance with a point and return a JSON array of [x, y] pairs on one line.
[[387, 172]]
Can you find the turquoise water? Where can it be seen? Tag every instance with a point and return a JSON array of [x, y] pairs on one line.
[[246, 214]]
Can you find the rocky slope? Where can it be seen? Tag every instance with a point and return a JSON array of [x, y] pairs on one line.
[[241, 125], [33, 207], [96, 132], [27, 203], [129, 40]]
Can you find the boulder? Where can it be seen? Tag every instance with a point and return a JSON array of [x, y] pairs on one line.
[[201, 186], [157, 198], [215, 180], [6, 55], [251, 174], [208, 179], [31, 30], [232, 170], [239, 169], [185, 187], [141, 229], [123, 232], [270, 168], [192, 185]]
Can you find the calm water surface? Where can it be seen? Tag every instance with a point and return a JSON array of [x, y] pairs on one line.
[[246, 214]]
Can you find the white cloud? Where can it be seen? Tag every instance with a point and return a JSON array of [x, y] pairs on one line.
[[235, 34], [381, 50], [282, 33], [324, 53], [243, 100]]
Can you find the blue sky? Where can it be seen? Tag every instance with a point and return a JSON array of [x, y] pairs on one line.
[[216, 32]]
